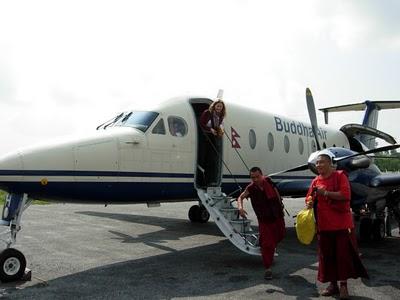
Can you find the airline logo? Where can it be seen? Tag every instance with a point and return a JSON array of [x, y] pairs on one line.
[[298, 128]]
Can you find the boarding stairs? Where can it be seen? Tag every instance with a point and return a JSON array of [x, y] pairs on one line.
[[226, 216]]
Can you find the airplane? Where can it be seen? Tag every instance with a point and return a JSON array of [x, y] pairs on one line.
[[150, 156]]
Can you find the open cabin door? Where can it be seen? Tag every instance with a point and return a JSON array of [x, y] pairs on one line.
[[208, 165]]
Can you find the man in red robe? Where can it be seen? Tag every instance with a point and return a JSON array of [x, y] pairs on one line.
[[339, 259], [267, 205]]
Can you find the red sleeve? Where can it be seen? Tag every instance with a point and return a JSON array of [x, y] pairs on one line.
[[344, 186], [204, 118]]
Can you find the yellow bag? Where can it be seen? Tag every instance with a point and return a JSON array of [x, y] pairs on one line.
[[305, 226]]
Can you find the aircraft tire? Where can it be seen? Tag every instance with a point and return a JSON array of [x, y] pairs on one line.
[[365, 229], [194, 214], [12, 265], [204, 215], [378, 229]]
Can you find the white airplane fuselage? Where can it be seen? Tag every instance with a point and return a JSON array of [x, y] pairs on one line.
[[121, 164]]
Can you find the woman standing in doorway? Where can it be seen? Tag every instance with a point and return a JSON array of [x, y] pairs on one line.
[[211, 123]]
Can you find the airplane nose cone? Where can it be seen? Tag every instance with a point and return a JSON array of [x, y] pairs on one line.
[[11, 166], [12, 161]]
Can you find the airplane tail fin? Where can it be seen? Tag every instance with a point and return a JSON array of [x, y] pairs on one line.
[[370, 119]]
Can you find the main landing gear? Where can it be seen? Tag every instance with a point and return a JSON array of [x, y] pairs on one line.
[[12, 261], [198, 214]]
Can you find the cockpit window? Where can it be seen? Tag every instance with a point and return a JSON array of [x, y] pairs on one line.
[[177, 126], [137, 119], [159, 128]]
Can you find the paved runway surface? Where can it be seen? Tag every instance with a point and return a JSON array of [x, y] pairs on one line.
[[135, 252]]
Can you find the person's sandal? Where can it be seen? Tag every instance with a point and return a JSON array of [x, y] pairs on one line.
[[343, 292], [330, 290], [268, 274]]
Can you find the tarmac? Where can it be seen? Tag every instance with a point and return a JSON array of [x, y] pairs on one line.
[[134, 252]]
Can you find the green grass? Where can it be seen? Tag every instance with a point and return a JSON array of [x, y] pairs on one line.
[[3, 197]]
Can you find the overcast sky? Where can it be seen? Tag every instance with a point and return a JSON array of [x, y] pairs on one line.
[[66, 66]]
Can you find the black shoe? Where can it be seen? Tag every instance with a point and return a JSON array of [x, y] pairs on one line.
[[268, 274]]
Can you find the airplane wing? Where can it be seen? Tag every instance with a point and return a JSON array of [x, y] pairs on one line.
[[293, 188]]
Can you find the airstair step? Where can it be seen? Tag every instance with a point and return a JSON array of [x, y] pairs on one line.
[[238, 231], [251, 237], [220, 202], [230, 213], [241, 225], [248, 233]]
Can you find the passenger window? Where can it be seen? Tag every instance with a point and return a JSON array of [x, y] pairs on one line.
[[286, 144], [270, 141], [252, 139], [159, 128], [177, 126], [301, 146]]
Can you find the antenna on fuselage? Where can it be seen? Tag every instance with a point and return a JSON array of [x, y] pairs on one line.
[[220, 94]]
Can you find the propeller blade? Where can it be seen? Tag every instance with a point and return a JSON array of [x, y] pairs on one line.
[[295, 169], [313, 116], [380, 149]]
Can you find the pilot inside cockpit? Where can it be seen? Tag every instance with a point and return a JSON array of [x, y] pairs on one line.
[[177, 127]]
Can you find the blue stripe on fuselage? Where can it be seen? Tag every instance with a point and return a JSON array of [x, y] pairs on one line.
[[92, 173], [69, 173], [111, 192], [114, 191]]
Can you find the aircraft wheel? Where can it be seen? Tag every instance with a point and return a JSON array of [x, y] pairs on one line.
[[365, 229], [194, 213], [12, 265], [204, 215], [378, 229]]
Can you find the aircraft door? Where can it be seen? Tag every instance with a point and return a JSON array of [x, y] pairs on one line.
[[208, 167]]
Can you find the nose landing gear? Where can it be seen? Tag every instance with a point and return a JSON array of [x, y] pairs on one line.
[[198, 214], [12, 261], [12, 265]]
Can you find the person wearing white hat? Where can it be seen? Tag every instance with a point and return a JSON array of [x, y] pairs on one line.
[[330, 196]]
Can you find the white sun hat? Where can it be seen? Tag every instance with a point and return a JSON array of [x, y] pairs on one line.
[[327, 153]]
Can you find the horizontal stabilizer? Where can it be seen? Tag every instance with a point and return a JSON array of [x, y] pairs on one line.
[[376, 105], [370, 119], [361, 106]]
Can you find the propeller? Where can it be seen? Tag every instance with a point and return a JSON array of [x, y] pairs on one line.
[[380, 149], [313, 116]]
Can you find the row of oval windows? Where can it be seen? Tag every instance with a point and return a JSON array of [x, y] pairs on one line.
[[286, 142]]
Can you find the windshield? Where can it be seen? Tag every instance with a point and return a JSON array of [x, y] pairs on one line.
[[137, 119]]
